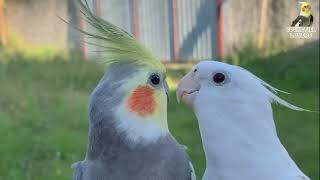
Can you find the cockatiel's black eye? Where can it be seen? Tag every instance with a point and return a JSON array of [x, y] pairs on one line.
[[155, 79], [218, 78]]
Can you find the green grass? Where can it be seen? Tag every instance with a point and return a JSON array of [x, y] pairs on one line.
[[43, 120]]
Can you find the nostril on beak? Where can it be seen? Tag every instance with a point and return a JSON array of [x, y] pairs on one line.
[[187, 85]]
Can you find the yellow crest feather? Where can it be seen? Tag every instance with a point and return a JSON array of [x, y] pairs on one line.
[[116, 44], [305, 3]]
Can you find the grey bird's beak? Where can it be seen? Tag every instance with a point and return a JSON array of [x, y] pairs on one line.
[[167, 90]]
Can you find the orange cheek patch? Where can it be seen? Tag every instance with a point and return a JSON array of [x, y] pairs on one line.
[[142, 101]]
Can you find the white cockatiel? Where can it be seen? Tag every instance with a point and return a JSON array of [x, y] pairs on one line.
[[234, 111]]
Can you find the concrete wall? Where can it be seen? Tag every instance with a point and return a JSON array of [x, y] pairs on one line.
[[37, 21]]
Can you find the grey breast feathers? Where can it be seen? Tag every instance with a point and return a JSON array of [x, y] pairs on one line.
[[164, 160]]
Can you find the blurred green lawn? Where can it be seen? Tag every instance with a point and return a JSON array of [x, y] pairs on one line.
[[43, 118]]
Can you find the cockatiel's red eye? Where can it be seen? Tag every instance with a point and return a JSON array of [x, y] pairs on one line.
[[142, 101]]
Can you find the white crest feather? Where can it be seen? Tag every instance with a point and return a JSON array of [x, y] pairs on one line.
[[274, 98]]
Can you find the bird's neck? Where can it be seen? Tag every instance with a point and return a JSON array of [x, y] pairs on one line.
[[104, 138], [107, 138], [235, 137]]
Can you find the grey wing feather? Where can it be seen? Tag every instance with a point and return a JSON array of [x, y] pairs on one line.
[[294, 22], [78, 171], [311, 20], [193, 172]]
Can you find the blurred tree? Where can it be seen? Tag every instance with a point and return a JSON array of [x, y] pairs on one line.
[[3, 28], [278, 12], [263, 24]]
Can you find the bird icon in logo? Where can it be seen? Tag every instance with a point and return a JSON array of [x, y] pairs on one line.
[[305, 18]]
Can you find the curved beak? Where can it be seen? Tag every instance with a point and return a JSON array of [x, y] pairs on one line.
[[187, 89], [166, 88]]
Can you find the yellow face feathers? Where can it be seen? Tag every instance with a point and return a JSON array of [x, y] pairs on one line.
[[305, 9], [144, 101]]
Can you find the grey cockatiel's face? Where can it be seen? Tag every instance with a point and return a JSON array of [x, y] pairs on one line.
[[134, 99], [132, 93]]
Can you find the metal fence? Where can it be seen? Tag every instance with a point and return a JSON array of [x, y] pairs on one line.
[[172, 29]]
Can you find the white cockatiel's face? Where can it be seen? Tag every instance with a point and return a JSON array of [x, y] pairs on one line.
[[218, 82], [224, 84]]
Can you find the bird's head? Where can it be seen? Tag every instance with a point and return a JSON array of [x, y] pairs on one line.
[[134, 99], [305, 9], [132, 95], [219, 85]]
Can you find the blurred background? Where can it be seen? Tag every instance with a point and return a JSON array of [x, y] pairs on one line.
[[47, 71]]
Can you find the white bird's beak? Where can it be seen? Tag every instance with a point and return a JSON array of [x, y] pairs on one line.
[[187, 89]]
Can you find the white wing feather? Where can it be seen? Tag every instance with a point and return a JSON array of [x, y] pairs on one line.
[[193, 173]]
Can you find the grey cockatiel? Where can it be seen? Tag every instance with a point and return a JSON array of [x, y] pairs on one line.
[[233, 108], [305, 19], [128, 133]]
